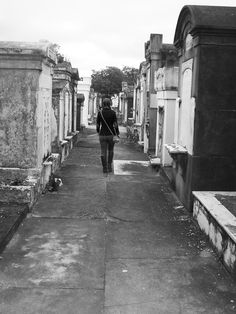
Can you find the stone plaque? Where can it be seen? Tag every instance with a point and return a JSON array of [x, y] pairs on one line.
[[188, 42], [186, 110]]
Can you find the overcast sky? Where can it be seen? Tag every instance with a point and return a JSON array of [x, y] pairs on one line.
[[94, 34]]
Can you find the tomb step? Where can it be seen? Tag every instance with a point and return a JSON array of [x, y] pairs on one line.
[[215, 212]]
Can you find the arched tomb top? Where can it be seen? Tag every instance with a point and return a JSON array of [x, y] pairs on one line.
[[200, 18]]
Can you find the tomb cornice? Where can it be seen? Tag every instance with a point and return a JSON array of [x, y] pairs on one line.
[[216, 37], [24, 62], [21, 62], [23, 52]]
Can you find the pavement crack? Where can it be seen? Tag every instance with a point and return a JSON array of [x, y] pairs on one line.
[[110, 218], [133, 303]]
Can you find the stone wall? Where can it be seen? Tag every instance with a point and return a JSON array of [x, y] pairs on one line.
[[25, 89]]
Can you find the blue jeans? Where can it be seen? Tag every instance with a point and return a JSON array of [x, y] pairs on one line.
[[107, 148]]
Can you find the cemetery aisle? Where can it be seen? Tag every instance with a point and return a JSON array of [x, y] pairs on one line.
[[116, 244]]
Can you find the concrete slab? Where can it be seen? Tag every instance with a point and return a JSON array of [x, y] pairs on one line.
[[152, 240], [134, 193], [183, 284], [129, 201], [83, 156], [128, 151], [91, 143], [85, 170], [160, 307], [75, 198], [51, 301], [139, 178], [75, 187], [130, 167], [55, 253], [64, 206]]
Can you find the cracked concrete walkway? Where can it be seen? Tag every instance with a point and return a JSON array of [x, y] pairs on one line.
[[116, 244]]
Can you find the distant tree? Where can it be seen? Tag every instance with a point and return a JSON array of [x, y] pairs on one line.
[[107, 81], [130, 75]]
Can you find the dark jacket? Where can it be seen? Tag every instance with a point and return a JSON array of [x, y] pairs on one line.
[[110, 117]]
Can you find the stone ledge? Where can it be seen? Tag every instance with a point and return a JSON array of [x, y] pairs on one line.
[[141, 143], [175, 149], [17, 194], [155, 161], [63, 142], [69, 137], [23, 186], [10, 176], [218, 223]]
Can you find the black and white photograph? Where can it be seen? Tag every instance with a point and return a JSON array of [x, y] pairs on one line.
[[118, 157]]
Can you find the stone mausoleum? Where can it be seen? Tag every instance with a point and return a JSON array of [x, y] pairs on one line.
[[204, 155], [32, 125]]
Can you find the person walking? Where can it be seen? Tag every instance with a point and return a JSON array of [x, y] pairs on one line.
[[107, 128]]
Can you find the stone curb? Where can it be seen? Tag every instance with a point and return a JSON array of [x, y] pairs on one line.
[[10, 223]]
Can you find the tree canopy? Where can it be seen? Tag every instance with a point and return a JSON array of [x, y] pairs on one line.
[[108, 81], [130, 75]]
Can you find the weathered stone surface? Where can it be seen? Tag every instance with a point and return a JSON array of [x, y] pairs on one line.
[[130, 200], [78, 197], [80, 205], [51, 301], [18, 176], [17, 194], [85, 170], [160, 306], [58, 253], [219, 224], [187, 285], [146, 240], [18, 137], [26, 85]]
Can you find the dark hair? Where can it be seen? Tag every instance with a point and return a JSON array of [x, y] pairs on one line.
[[106, 102]]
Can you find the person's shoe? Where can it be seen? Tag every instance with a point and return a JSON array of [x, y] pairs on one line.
[[104, 164], [109, 168]]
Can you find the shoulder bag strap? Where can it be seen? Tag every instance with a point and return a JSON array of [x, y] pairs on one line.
[[107, 124]]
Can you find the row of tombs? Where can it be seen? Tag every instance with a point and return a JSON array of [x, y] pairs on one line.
[[40, 117], [186, 96]]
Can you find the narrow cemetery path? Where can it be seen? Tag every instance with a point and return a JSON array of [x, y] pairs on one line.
[[116, 244]]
